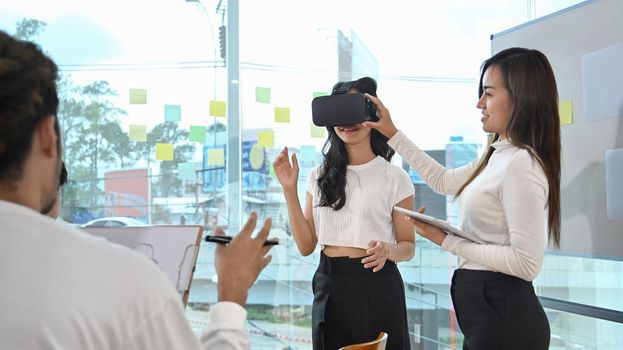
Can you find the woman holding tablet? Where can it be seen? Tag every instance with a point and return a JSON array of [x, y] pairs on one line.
[[503, 197]]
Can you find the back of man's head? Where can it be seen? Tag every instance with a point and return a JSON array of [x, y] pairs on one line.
[[27, 95]]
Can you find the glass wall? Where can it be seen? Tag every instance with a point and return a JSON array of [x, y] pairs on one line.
[[146, 125]]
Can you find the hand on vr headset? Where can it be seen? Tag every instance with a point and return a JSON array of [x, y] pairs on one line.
[[384, 123]]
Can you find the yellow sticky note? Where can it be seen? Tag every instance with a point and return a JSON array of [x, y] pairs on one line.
[[266, 138], [256, 157], [164, 151], [138, 133], [216, 156], [217, 108], [318, 132], [138, 96], [282, 114], [565, 109]]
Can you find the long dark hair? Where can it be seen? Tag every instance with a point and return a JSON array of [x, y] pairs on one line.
[[534, 124], [332, 179]]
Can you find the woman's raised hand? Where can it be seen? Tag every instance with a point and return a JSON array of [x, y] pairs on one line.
[[384, 125], [287, 174]]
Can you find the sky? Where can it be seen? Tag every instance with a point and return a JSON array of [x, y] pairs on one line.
[[295, 42]]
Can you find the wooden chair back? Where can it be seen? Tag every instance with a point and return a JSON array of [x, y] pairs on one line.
[[377, 344]]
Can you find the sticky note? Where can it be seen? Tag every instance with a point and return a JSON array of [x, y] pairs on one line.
[[216, 156], [217, 108], [256, 157], [138, 96], [164, 151], [565, 109], [138, 133], [282, 114], [186, 171], [271, 170], [197, 134], [262, 94], [172, 113], [319, 93], [318, 132], [308, 153], [266, 138]]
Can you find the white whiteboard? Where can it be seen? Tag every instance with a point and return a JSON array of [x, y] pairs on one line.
[[173, 248], [583, 44]]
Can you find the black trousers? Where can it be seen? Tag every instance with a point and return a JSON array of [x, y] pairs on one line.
[[498, 311], [352, 304]]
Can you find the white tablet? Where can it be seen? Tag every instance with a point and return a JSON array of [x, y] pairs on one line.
[[443, 225]]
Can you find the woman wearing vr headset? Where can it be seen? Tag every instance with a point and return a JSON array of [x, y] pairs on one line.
[[503, 197], [358, 290]]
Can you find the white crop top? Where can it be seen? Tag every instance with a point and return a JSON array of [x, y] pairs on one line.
[[372, 190]]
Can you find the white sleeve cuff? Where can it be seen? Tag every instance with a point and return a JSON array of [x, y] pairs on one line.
[[227, 315]]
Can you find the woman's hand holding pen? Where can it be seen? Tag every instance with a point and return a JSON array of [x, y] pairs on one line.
[[287, 174], [384, 125], [240, 262], [378, 254], [427, 231]]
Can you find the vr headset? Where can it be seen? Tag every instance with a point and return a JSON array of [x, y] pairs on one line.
[[341, 108]]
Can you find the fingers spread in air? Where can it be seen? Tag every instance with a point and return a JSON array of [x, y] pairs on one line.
[[263, 234], [250, 225]]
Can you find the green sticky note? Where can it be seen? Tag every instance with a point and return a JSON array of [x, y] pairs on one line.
[[217, 108], [216, 156], [138, 96], [319, 93], [318, 132], [565, 110], [271, 170], [186, 171], [172, 113], [282, 114], [266, 138], [164, 151], [197, 134], [262, 94], [138, 133], [308, 153]]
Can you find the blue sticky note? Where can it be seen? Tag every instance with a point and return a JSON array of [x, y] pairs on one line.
[[186, 171], [172, 113], [308, 153]]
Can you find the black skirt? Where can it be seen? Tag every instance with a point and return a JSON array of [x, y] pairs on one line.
[[352, 304], [498, 311]]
